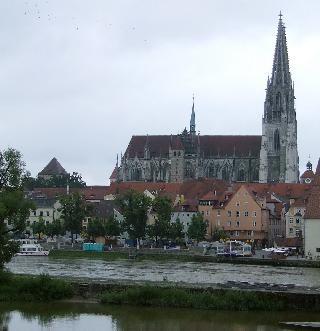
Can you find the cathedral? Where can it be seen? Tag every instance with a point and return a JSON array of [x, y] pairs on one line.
[[272, 157]]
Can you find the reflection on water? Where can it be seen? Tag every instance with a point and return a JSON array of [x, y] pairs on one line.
[[190, 272], [82, 317]]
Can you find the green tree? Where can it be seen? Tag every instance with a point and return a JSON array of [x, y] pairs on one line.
[[176, 231], [134, 206], [96, 228], [73, 180], [14, 207], [218, 234], [54, 229], [112, 227], [39, 227], [197, 228], [74, 209], [162, 207]]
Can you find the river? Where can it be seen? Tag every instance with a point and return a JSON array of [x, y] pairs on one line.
[[172, 271], [82, 317]]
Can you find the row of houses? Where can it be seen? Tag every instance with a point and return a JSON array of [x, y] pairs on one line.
[[264, 214]]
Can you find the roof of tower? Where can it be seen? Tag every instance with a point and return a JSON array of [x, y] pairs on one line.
[[280, 70], [53, 168]]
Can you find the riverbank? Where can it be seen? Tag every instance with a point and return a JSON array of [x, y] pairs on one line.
[[16, 288], [183, 256]]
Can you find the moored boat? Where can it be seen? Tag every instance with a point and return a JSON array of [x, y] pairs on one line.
[[30, 247]]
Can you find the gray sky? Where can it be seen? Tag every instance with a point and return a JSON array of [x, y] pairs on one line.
[[78, 78]]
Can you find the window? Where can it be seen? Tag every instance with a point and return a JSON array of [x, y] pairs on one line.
[[28, 223], [291, 230], [238, 213], [254, 224], [276, 141], [34, 213], [229, 213], [237, 203], [246, 213], [48, 213], [47, 222], [297, 220], [229, 223], [218, 213], [249, 233], [218, 222], [291, 220], [254, 214], [241, 175], [202, 212], [41, 213], [318, 250], [236, 233], [237, 224], [207, 212]]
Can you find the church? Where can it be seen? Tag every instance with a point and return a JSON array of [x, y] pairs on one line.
[[272, 157]]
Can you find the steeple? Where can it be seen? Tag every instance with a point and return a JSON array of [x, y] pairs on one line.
[[279, 161], [280, 71], [279, 101], [193, 119]]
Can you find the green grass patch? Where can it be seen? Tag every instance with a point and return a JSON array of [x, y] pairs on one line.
[[26, 289], [185, 298]]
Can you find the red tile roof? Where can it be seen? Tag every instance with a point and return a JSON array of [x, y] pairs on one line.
[[307, 174], [230, 145], [90, 192], [313, 206], [209, 145]]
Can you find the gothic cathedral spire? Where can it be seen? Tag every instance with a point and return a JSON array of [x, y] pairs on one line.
[[193, 119], [279, 156]]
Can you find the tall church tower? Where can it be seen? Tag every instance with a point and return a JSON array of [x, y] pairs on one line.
[[279, 161]]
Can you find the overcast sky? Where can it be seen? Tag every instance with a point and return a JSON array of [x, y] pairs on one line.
[[79, 78]]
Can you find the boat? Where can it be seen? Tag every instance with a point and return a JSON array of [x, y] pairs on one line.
[[30, 247]]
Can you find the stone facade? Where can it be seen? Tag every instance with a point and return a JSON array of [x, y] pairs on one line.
[[272, 157]]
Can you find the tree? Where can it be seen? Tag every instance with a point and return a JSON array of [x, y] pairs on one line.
[[14, 207], [54, 229], [73, 180], [96, 228], [112, 227], [218, 234], [162, 206], [176, 231], [134, 206], [74, 209], [197, 228], [39, 227]]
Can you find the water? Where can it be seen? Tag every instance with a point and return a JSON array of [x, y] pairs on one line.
[[173, 271], [82, 317]]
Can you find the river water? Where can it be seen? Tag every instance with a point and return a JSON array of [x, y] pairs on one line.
[[81, 317], [172, 271]]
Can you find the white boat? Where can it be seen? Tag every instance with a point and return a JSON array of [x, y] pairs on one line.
[[30, 247]]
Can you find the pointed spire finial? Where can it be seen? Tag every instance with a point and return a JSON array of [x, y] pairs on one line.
[[280, 15]]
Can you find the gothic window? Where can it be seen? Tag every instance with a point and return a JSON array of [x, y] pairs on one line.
[[136, 174], [276, 140], [241, 175], [188, 171], [256, 174], [211, 171], [225, 173]]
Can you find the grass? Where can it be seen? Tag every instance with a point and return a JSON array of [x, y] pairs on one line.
[[27, 289], [185, 298]]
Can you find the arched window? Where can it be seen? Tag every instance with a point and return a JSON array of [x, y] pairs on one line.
[[188, 170], [211, 172], [276, 140], [225, 173], [241, 175]]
